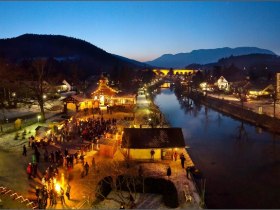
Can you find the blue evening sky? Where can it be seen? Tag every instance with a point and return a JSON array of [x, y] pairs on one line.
[[145, 30]]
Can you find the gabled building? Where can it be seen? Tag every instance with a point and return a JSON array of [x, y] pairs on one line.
[[101, 97], [64, 87], [139, 142], [222, 84], [108, 96], [103, 93], [78, 103]]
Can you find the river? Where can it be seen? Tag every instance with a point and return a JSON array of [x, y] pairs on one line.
[[241, 165]]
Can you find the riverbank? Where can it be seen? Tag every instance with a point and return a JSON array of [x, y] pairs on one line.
[[237, 111], [184, 185]]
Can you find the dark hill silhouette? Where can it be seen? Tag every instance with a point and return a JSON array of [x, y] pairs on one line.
[[252, 61], [255, 66], [89, 59], [203, 56]]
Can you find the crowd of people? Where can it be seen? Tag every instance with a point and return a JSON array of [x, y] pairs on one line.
[[79, 130], [93, 129], [52, 193]]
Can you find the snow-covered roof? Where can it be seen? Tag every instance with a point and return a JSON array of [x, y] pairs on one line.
[[76, 99], [143, 138], [42, 128]]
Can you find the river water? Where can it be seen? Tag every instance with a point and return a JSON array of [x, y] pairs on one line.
[[241, 166]]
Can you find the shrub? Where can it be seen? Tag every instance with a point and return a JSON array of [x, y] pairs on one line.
[[104, 188], [16, 136]]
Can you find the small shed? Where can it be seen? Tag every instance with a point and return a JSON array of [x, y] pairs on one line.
[[139, 142], [41, 132], [107, 147]]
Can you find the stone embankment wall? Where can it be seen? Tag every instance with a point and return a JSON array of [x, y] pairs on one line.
[[261, 120]]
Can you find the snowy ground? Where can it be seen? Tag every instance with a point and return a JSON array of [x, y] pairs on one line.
[[22, 110], [13, 173]]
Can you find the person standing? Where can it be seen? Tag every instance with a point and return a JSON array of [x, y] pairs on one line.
[[24, 152], [182, 157], [152, 154], [51, 192], [175, 155], [62, 196], [37, 155], [29, 170], [68, 188], [54, 197], [188, 171], [93, 163], [37, 191], [35, 167], [86, 168], [168, 172]]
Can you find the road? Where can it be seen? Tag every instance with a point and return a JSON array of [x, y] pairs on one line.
[[259, 106]]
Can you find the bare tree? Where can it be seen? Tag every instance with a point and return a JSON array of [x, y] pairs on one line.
[[37, 85], [275, 99], [124, 183], [242, 93]]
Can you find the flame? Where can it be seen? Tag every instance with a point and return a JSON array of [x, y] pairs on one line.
[[57, 187]]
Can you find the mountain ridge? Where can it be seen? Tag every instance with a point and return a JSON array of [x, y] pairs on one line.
[[89, 58], [203, 56]]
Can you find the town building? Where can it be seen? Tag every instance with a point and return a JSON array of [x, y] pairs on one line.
[[222, 84], [165, 72], [102, 97], [278, 86], [139, 142], [107, 96]]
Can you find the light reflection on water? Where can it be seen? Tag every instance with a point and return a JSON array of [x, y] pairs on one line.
[[240, 172]]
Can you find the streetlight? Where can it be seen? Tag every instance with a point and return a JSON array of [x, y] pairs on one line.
[[44, 96], [39, 117]]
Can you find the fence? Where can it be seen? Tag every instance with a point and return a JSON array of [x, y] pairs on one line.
[[4, 191]]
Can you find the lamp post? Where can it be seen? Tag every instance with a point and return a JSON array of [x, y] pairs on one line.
[[150, 122], [39, 117]]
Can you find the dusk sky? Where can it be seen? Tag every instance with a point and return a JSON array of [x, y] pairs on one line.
[[145, 30]]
